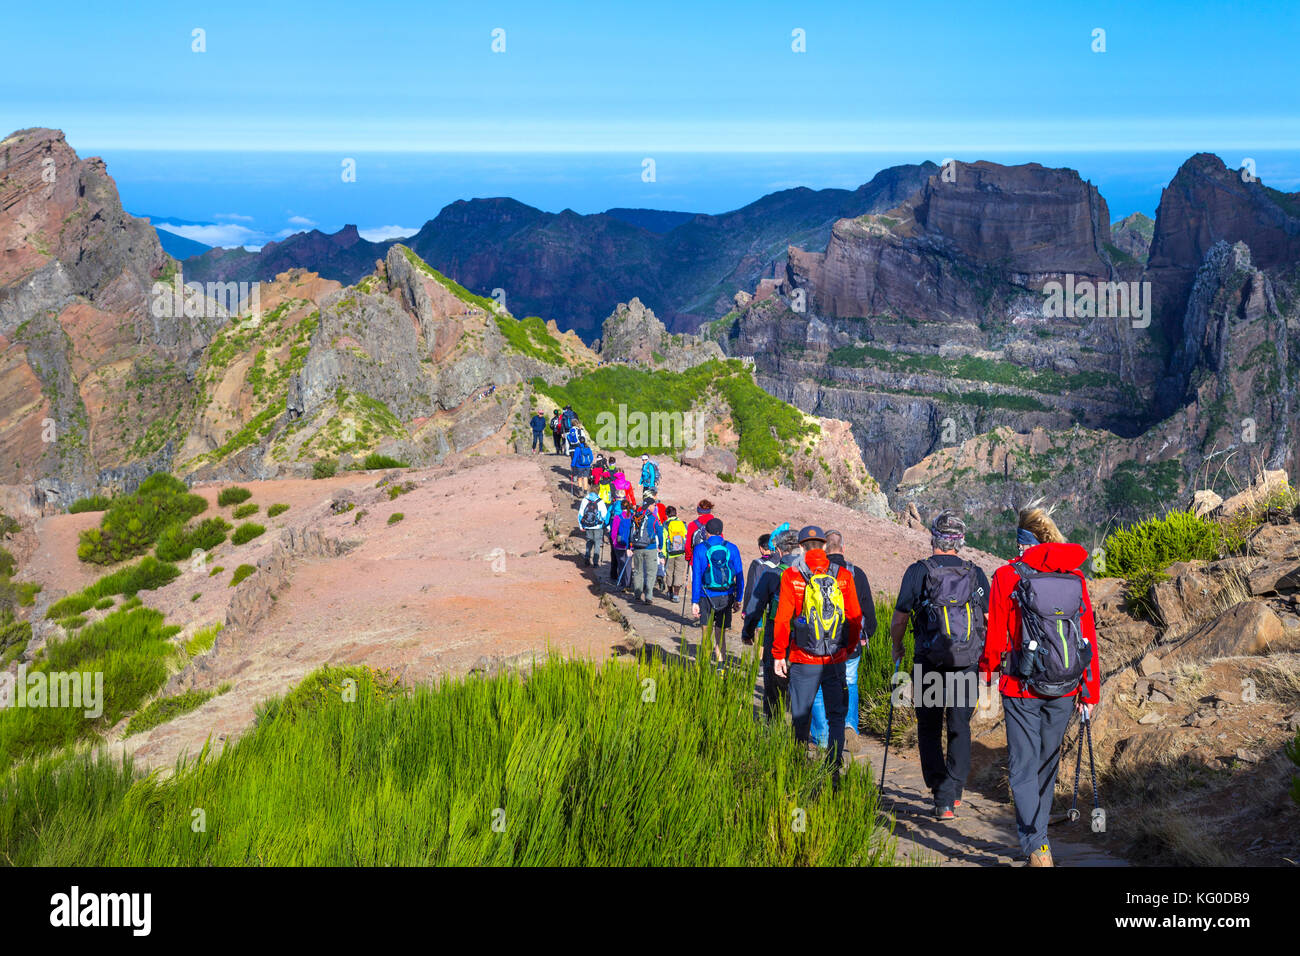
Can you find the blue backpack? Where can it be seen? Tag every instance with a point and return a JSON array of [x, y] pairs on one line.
[[624, 529], [717, 574]]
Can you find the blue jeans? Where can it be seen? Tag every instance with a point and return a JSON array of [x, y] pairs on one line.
[[820, 731]]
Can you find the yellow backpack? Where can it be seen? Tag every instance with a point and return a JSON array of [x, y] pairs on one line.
[[819, 628]]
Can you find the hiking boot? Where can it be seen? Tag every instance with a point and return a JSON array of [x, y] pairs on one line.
[[944, 813], [1041, 856], [956, 804]]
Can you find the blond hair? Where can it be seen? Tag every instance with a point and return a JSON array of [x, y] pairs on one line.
[[1039, 523]]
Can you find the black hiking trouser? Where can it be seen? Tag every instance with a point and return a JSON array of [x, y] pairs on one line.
[[776, 689], [804, 681], [1035, 729], [945, 776], [556, 437]]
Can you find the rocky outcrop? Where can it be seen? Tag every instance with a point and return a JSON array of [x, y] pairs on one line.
[[633, 335], [96, 363], [1131, 236]]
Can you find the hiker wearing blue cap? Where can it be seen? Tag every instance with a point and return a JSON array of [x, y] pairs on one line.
[[947, 599]]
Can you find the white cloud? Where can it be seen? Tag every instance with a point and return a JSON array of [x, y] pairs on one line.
[[301, 221], [382, 233], [225, 236]]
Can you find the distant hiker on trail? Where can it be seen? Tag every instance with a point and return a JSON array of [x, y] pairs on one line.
[[597, 471], [674, 552], [591, 519], [947, 599], [567, 417], [557, 432], [647, 537], [538, 424], [649, 475], [818, 625], [717, 581], [1043, 639], [695, 532], [761, 607], [757, 567], [580, 467], [835, 554], [620, 536], [574, 435], [622, 484], [604, 486]]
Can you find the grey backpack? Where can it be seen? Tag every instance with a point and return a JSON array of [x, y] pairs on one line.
[[1053, 655]]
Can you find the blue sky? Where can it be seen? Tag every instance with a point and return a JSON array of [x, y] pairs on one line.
[[882, 82], [698, 76]]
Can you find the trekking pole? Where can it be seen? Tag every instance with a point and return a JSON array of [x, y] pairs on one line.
[[1073, 813], [1092, 767], [889, 727]]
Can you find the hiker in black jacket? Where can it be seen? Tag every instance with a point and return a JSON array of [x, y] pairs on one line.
[[761, 607]]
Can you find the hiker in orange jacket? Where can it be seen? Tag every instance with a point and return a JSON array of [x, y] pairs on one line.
[[808, 671], [1036, 722]]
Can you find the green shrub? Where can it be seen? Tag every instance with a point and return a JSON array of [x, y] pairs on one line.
[[376, 460], [133, 522], [396, 490], [395, 517], [241, 572], [14, 635], [72, 622], [246, 532], [349, 770], [215, 571], [276, 509], [324, 469], [104, 603], [131, 648], [148, 574], [164, 709], [177, 542], [90, 503], [202, 640], [243, 511], [233, 495], [1141, 552]]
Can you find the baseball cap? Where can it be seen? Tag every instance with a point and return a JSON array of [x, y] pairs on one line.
[[811, 533]]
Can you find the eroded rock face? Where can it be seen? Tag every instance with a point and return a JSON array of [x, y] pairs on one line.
[[633, 334], [96, 375]]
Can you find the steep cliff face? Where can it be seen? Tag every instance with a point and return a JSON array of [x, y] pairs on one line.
[[930, 329], [95, 363]]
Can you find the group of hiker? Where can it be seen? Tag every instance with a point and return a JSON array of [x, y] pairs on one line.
[[1032, 624], [566, 431]]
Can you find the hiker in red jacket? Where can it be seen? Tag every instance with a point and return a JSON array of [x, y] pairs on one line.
[[703, 514], [807, 671], [1033, 626]]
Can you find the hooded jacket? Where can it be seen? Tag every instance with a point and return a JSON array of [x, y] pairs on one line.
[[1004, 618], [790, 605]]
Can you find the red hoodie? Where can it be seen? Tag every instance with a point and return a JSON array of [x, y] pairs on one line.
[[1004, 617], [790, 605], [691, 528]]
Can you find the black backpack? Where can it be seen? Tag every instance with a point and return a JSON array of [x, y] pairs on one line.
[[1054, 656], [591, 515], [950, 625], [701, 535]]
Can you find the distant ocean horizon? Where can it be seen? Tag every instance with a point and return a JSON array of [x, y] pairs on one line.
[[236, 198]]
